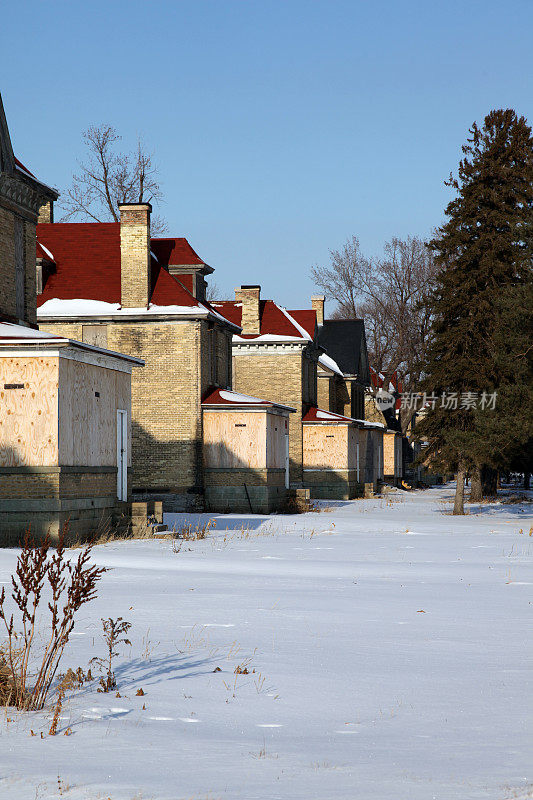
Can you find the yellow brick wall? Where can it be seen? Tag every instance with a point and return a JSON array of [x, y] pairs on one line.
[[279, 378], [54, 485], [324, 394], [30, 245], [7, 265], [166, 395], [343, 397], [7, 262]]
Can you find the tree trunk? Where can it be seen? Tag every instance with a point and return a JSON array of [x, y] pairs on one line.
[[476, 490], [527, 480], [489, 482], [459, 503]]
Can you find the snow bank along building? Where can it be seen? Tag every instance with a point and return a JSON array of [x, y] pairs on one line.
[[279, 353], [65, 406]]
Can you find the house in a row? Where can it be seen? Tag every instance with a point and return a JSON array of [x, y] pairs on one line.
[[115, 285], [65, 406], [280, 351], [194, 441], [382, 405]]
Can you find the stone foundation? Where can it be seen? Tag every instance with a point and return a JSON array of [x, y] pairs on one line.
[[245, 500], [327, 484], [80, 500]]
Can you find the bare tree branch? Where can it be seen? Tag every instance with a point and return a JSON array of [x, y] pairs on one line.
[[107, 178], [391, 295]]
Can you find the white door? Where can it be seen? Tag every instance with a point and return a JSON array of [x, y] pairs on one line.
[[122, 454], [286, 460]]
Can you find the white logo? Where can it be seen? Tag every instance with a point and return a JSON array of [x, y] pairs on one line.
[[384, 399]]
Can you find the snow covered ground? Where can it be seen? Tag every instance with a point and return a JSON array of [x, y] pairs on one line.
[[391, 645]]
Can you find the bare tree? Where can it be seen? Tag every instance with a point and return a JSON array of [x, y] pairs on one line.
[[107, 178], [391, 295], [212, 292]]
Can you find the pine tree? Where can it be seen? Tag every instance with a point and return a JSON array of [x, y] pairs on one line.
[[485, 254]]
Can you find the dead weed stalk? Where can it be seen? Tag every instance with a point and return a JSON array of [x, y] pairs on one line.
[[71, 585], [114, 634]]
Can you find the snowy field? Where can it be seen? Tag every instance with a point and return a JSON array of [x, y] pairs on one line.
[[388, 649]]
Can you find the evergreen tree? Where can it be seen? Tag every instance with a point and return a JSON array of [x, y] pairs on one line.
[[485, 254]]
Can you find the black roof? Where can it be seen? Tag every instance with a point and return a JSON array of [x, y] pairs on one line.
[[345, 341]]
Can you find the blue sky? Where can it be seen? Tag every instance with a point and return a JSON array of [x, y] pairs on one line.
[[281, 127]]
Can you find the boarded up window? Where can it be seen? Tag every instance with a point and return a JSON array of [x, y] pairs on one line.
[[95, 335], [20, 271]]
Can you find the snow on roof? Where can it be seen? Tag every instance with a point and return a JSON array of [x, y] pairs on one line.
[[227, 397], [267, 337], [12, 335], [11, 331], [304, 333], [45, 250], [78, 307], [88, 267], [276, 322], [329, 363], [319, 415]]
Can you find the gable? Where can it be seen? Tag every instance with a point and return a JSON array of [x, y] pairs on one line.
[[7, 158], [345, 341], [274, 319]]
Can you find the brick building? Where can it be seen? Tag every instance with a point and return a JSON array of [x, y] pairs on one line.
[[275, 356], [64, 406], [344, 341], [114, 285]]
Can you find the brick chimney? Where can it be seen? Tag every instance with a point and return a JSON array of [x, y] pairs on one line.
[[135, 259], [317, 304], [46, 212], [249, 296]]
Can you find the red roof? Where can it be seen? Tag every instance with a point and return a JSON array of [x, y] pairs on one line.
[[307, 319], [87, 264], [325, 417], [176, 252], [229, 398], [273, 320], [21, 166]]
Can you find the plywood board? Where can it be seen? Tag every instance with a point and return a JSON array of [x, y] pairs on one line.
[[28, 415], [234, 439], [89, 397], [325, 446], [277, 428]]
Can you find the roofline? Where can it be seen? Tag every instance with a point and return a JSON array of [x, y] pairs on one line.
[[332, 422], [54, 343], [201, 266], [48, 191], [258, 341], [202, 314], [249, 406]]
